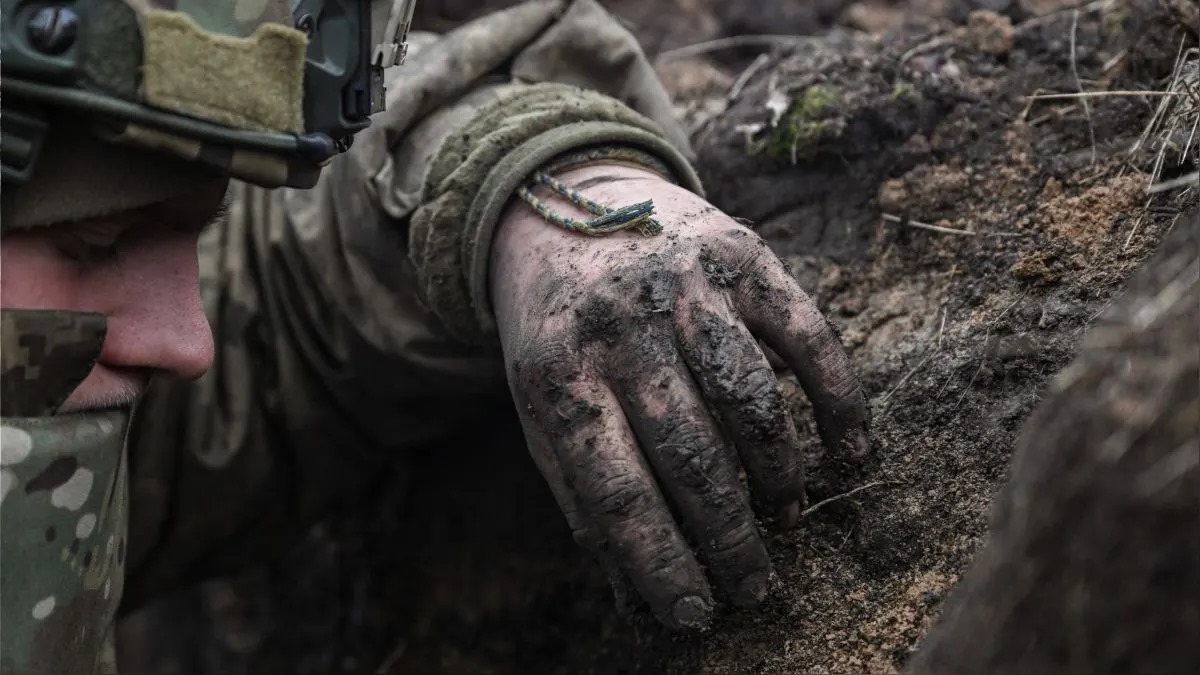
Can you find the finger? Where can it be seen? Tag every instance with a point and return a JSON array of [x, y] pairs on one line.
[[738, 382], [542, 452], [616, 493], [584, 533], [781, 313], [694, 466]]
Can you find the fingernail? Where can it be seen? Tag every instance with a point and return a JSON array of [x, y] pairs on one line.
[[752, 590], [692, 612]]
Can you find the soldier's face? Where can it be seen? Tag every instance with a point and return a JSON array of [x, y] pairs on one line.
[[139, 269]]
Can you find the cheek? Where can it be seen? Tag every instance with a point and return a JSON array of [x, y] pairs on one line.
[[35, 275]]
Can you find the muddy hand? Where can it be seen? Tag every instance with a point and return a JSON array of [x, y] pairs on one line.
[[643, 392]]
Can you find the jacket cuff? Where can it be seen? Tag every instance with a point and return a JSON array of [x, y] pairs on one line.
[[477, 170]]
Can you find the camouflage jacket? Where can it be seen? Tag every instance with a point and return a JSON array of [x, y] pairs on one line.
[[330, 362]]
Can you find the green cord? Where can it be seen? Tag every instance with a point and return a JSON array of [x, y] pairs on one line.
[[607, 220]]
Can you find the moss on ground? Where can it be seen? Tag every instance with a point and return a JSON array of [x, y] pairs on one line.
[[814, 116]]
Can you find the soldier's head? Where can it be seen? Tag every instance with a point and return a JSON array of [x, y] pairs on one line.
[[123, 122]]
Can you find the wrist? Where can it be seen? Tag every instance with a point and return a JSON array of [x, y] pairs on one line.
[[524, 239]]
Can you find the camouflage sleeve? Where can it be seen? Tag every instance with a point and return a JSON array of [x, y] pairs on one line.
[[332, 363]]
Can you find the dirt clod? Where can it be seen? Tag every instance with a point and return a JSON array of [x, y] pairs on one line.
[[990, 32]]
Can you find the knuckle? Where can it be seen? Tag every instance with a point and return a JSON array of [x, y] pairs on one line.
[[762, 416], [603, 319], [546, 363], [686, 432], [757, 381], [739, 538], [617, 491], [668, 561], [741, 237], [691, 454]]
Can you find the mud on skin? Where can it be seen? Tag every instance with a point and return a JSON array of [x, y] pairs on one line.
[[659, 342]]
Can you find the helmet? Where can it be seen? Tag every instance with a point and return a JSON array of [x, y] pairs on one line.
[[266, 91]]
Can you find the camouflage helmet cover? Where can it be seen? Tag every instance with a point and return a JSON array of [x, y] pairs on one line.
[[263, 90]]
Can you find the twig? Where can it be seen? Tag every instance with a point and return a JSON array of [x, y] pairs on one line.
[[731, 43], [1030, 101], [926, 226], [1087, 109], [1098, 94], [812, 509], [1161, 110], [944, 230], [1050, 16], [1058, 112], [740, 83], [1114, 61], [1137, 224], [1190, 179], [934, 43], [1191, 137]]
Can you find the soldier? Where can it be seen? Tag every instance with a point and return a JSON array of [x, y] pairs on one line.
[[522, 213]]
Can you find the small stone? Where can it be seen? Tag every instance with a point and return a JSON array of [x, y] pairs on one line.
[[893, 196], [1053, 188]]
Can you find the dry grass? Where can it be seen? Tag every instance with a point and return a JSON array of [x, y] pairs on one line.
[[1171, 132]]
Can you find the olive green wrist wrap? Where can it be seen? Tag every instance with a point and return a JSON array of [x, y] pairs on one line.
[[477, 171]]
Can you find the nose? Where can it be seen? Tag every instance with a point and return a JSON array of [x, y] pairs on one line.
[[159, 324]]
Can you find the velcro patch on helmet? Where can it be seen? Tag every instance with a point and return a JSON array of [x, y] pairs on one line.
[[254, 83]]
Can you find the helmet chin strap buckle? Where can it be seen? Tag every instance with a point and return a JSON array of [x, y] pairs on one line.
[[394, 48], [20, 145]]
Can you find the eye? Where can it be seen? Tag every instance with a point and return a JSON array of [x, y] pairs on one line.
[[89, 252], [90, 245]]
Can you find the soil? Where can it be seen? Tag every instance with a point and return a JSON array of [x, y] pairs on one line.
[[960, 236]]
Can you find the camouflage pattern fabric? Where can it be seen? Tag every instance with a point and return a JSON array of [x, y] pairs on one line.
[[45, 354], [237, 63], [63, 499]]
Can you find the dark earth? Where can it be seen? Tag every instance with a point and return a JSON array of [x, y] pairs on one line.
[[961, 236]]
